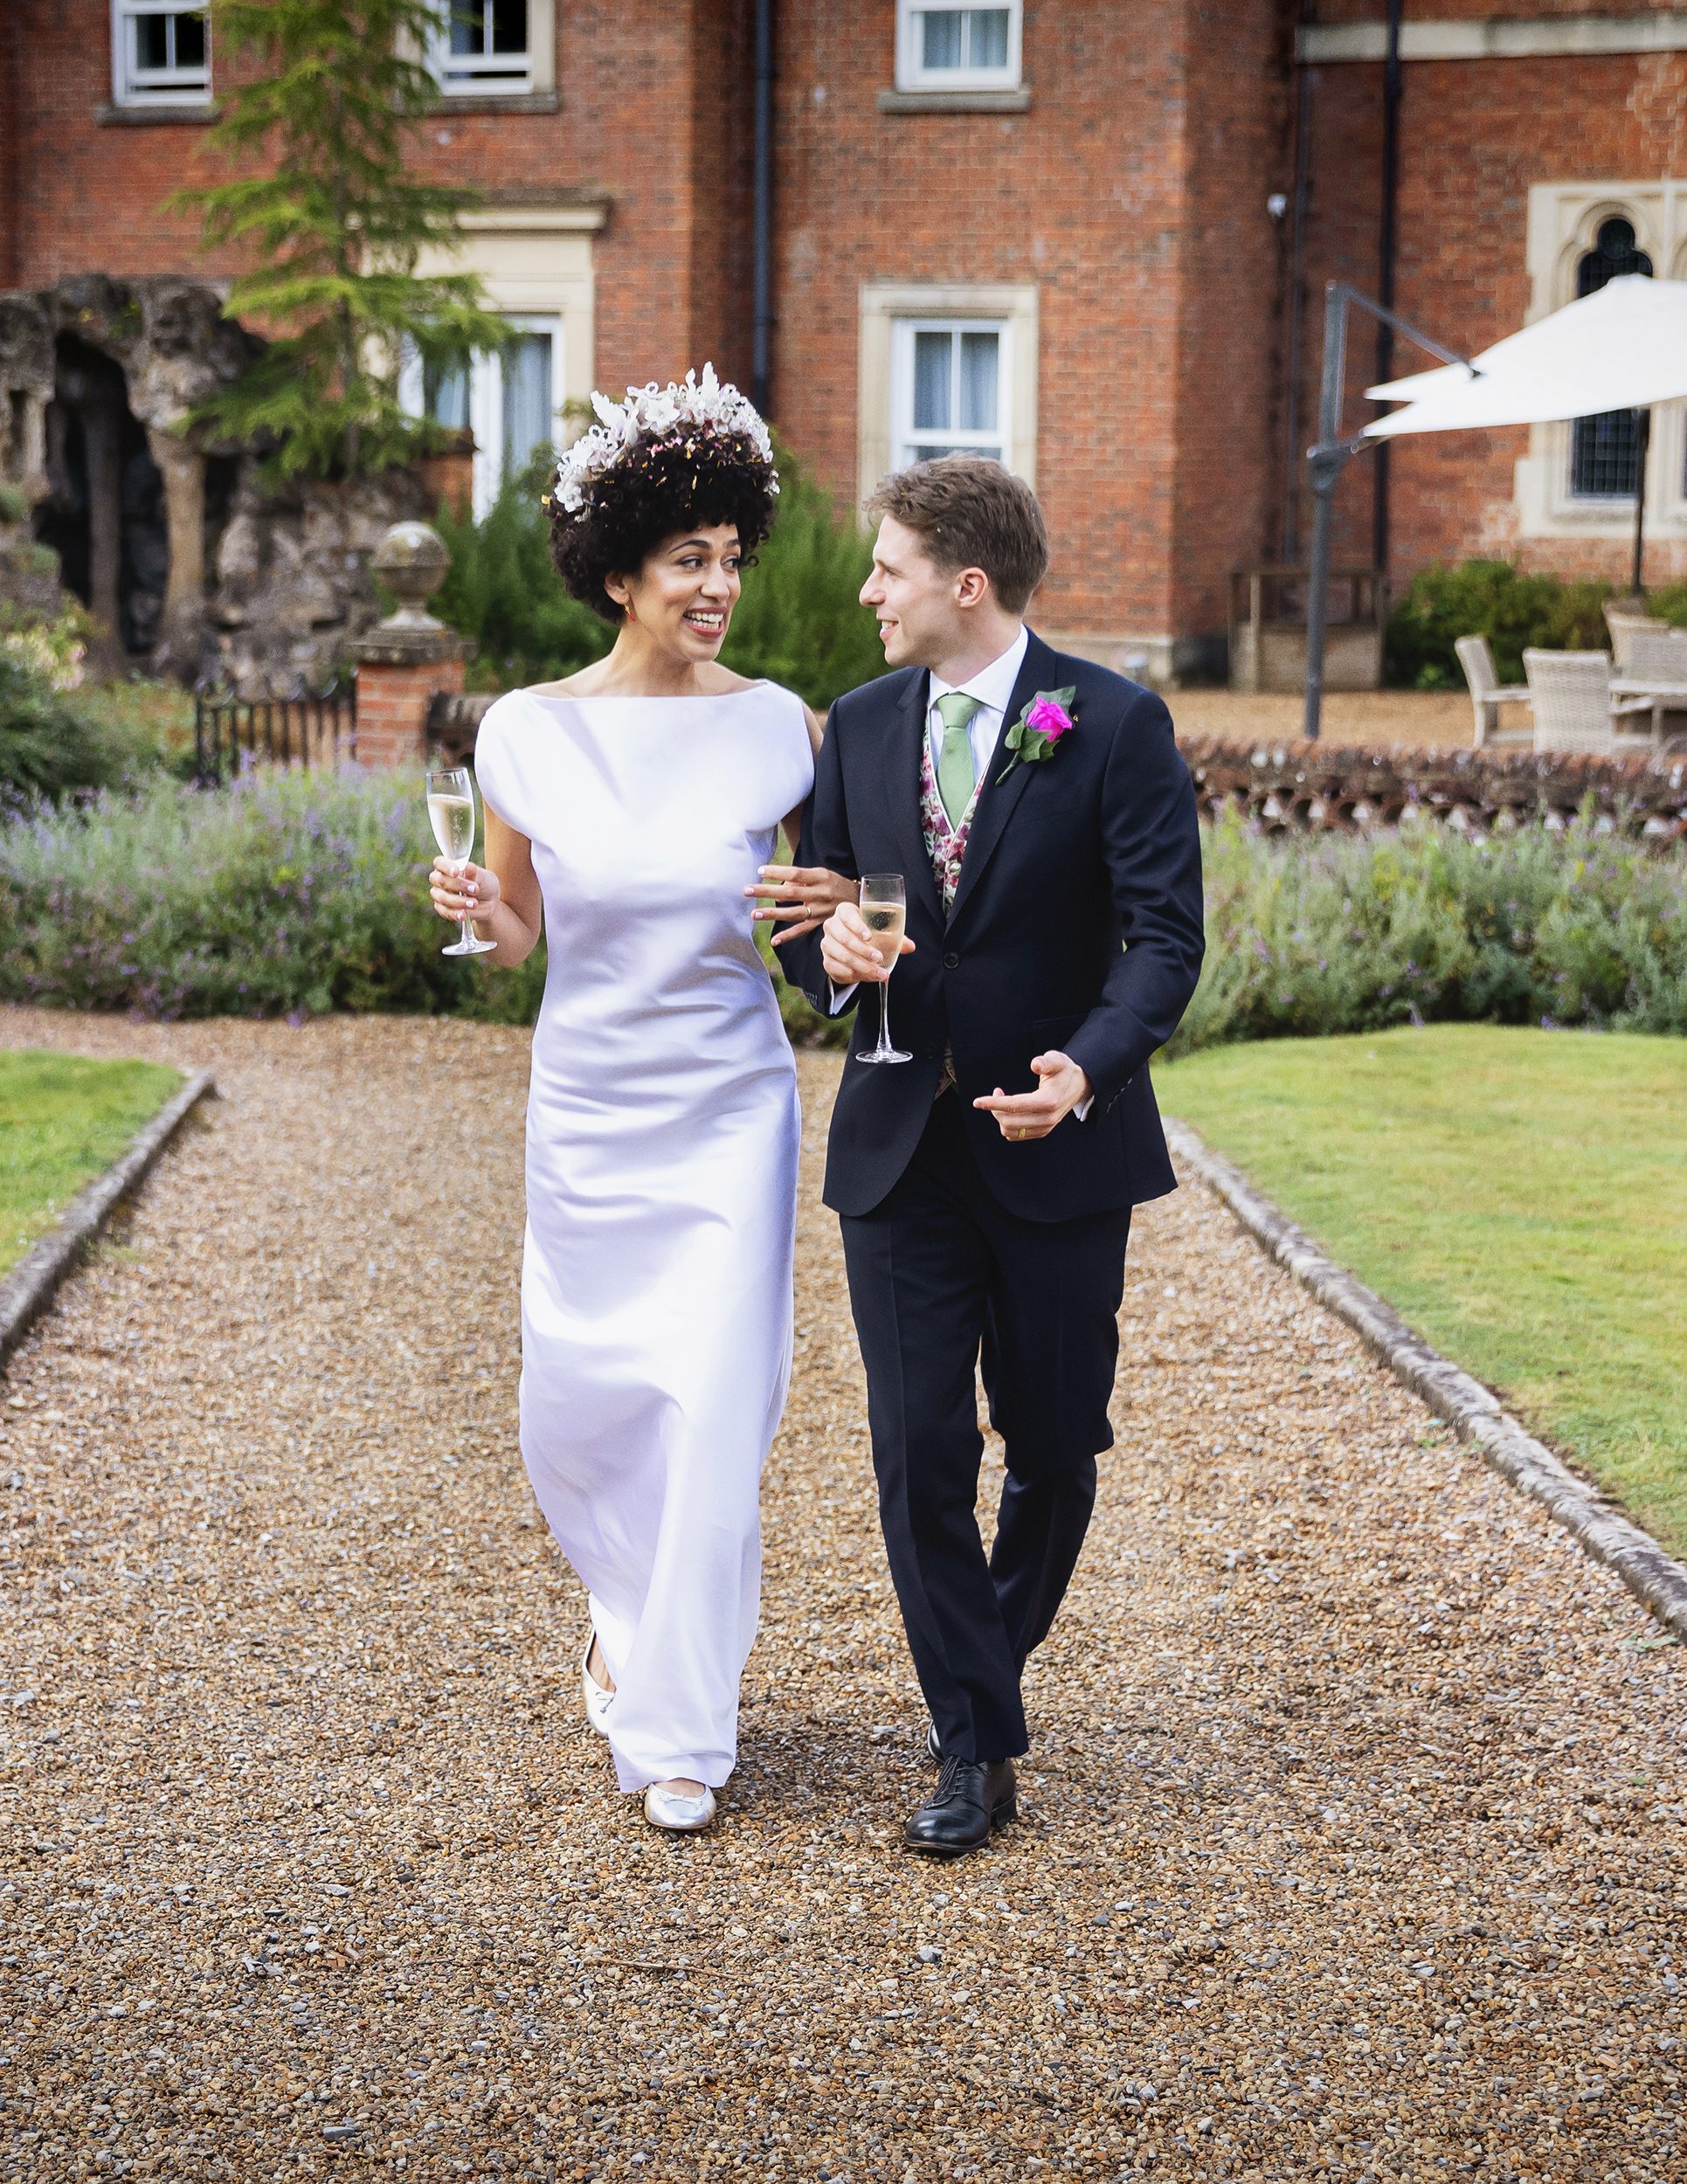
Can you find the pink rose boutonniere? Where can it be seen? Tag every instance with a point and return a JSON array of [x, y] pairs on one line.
[[1038, 731]]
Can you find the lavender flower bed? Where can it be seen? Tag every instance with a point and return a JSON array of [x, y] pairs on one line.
[[291, 894], [1310, 935], [286, 894]]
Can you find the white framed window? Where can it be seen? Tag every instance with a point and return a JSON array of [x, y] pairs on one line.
[[159, 53], [535, 261], [949, 389], [957, 49], [512, 402], [951, 365], [485, 47]]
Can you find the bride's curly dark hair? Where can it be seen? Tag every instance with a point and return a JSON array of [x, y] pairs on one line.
[[685, 480]]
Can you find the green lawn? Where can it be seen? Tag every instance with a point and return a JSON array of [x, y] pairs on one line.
[[62, 1119], [1519, 1196]]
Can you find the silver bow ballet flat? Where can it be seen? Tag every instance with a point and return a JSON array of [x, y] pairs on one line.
[[598, 1701], [679, 1815]]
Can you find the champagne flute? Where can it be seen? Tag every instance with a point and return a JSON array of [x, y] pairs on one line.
[[451, 811], [884, 909]]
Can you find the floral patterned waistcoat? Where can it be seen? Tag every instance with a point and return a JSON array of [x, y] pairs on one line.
[[946, 847]]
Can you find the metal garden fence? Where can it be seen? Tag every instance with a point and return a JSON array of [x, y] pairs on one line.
[[296, 732]]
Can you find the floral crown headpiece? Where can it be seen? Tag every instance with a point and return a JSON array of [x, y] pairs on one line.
[[705, 407]]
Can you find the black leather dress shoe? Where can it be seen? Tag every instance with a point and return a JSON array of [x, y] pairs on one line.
[[933, 1749], [972, 1796]]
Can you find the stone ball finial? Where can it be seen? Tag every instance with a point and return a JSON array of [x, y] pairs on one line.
[[411, 560]]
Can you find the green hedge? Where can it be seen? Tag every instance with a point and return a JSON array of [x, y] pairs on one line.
[[1510, 607], [289, 894], [798, 621], [54, 742]]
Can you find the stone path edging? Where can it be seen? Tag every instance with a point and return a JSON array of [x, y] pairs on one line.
[[26, 1292], [1473, 1411]]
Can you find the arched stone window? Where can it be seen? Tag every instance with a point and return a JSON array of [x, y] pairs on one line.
[[1604, 451]]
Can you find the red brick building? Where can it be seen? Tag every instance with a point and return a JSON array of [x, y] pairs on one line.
[[1091, 236]]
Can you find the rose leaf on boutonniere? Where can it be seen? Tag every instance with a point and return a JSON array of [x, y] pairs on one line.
[[1038, 731]]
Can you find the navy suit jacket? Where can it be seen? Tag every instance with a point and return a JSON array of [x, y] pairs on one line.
[[1076, 925]]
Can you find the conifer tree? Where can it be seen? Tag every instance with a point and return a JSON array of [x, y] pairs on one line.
[[321, 120]]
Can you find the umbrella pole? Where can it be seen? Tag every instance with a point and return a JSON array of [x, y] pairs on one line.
[[1323, 475], [1326, 461], [1642, 442], [1317, 594]]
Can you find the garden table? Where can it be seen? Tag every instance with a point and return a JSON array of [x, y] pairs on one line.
[[1665, 697]]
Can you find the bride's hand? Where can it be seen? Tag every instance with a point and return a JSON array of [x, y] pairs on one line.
[[804, 893], [471, 892]]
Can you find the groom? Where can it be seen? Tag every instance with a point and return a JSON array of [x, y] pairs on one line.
[[1044, 825]]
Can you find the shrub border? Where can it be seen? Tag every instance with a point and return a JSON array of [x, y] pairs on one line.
[[1474, 1412], [30, 1287]]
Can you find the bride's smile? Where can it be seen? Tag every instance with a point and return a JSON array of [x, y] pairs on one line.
[[680, 600]]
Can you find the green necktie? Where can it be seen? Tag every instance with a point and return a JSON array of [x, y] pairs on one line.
[[956, 773]]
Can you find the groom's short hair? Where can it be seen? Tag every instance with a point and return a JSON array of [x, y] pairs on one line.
[[971, 513]]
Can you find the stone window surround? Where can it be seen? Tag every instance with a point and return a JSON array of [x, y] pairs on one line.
[[1012, 304], [914, 77], [1562, 220], [537, 263]]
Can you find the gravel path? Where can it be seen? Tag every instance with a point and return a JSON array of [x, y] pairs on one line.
[[1434, 720], [1354, 1836]]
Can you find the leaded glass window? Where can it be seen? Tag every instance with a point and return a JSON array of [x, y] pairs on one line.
[[1605, 450]]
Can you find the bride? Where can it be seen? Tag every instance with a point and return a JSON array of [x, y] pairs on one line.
[[628, 810]]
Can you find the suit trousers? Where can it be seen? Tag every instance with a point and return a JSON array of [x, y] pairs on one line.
[[941, 1276]]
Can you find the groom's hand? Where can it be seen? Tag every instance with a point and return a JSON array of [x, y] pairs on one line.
[[849, 952], [1029, 1115]]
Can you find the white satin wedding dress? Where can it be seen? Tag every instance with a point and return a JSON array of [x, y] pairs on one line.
[[662, 1138]]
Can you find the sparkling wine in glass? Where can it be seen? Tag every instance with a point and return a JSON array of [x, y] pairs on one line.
[[884, 911], [451, 811]]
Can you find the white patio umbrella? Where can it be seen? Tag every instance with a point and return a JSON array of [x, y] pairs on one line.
[[1623, 347]]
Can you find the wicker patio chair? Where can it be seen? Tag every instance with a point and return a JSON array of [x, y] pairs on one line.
[[1627, 630], [1655, 668], [1574, 709], [1488, 693]]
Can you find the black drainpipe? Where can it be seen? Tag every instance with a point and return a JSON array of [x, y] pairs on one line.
[[1388, 252], [762, 271], [1293, 454]]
